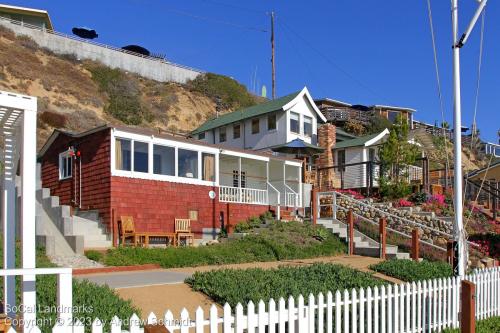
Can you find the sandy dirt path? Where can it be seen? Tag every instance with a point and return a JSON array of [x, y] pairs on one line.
[[175, 297]]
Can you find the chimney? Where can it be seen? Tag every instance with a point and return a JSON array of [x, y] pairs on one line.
[[326, 140]]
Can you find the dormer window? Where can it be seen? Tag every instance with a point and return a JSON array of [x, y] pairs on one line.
[[308, 126], [66, 164], [294, 123]]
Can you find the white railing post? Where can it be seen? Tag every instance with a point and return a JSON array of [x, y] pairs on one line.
[[65, 297], [334, 203]]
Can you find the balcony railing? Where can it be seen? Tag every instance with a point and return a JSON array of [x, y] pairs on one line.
[[243, 195]]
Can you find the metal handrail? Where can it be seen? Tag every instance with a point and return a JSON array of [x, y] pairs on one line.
[[82, 40]]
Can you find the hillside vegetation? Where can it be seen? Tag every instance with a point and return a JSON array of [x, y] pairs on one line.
[[78, 95]]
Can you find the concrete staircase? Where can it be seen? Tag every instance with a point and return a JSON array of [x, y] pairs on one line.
[[80, 231], [363, 245]]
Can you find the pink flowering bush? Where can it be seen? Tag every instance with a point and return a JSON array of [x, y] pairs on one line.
[[402, 203], [438, 199], [356, 195]]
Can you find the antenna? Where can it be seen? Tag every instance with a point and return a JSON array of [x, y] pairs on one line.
[[273, 58]]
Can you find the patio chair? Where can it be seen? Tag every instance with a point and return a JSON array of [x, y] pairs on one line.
[[183, 230], [127, 230]]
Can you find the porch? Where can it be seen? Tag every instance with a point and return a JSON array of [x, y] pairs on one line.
[[262, 181]]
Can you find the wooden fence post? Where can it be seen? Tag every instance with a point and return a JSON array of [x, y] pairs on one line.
[[415, 245], [314, 205], [350, 231], [468, 307], [383, 235]]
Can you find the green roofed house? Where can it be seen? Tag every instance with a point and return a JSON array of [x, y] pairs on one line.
[[357, 150], [265, 125]]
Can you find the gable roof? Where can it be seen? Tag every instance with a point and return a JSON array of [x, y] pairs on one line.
[[365, 141], [343, 134], [279, 104]]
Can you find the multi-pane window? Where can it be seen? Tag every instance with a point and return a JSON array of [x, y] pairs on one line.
[[187, 163], [208, 167], [222, 134], [294, 123], [237, 180], [164, 160], [271, 122], [123, 154], [65, 165], [141, 156], [236, 131], [308, 130], [255, 125]]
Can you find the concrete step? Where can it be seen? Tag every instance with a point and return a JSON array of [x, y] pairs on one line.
[[92, 215], [94, 244]]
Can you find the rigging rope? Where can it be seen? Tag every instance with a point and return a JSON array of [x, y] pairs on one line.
[[436, 67]]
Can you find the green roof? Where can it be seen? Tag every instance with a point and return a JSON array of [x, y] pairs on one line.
[[355, 142], [245, 113], [341, 133]]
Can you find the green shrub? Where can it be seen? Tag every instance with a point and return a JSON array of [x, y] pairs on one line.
[[226, 92], [94, 255], [409, 270], [378, 124], [241, 286], [418, 198], [123, 93], [280, 241], [490, 325], [266, 216]]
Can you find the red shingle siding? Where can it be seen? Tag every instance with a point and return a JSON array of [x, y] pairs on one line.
[[96, 172]]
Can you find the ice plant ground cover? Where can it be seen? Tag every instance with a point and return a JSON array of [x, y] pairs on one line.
[[409, 270], [280, 241], [235, 286]]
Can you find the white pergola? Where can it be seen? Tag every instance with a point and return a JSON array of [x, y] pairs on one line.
[[18, 131]]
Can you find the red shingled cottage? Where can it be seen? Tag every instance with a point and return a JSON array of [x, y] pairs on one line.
[[156, 178]]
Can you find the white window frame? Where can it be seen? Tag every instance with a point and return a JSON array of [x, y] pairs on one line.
[[64, 156], [304, 126], [298, 120], [153, 140]]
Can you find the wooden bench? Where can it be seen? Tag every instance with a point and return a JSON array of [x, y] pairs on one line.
[[127, 230], [183, 230]]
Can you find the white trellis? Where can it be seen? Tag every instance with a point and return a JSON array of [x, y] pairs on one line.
[[18, 134]]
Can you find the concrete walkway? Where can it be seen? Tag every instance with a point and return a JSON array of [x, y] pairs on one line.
[[136, 279], [178, 275]]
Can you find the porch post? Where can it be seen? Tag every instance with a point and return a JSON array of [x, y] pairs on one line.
[[28, 180], [9, 227], [267, 182], [240, 194], [284, 184], [299, 201]]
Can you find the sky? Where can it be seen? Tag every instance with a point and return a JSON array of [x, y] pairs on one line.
[[361, 52]]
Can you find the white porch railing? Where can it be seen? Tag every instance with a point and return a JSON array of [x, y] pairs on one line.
[[424, 306], [292, 198], [243, 195]]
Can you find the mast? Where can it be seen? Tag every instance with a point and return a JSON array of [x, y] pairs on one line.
[[458, 230]]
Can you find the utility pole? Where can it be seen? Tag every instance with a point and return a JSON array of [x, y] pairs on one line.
[[272, 57], [458, 230]]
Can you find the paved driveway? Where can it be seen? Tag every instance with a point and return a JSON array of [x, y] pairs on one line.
[[135, 279]]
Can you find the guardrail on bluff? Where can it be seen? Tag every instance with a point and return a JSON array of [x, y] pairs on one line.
[[146, 66]]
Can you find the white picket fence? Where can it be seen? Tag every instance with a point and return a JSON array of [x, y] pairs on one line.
[[427, 306]]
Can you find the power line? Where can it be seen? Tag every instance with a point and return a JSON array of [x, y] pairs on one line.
[[333, 63], [209, 19], [238, 7]]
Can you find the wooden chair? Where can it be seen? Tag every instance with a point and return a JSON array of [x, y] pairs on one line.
[[183, 230], [127, 230]]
